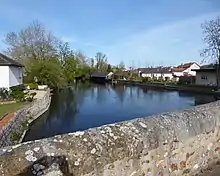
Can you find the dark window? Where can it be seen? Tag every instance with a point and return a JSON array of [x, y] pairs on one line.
[[204, 77]]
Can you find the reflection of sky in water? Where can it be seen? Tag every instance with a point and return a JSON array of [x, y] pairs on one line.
[[86, 106]]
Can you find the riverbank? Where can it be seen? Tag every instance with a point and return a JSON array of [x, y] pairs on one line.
[[14, 131], [166, 86]]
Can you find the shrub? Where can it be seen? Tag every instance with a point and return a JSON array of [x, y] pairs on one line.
[[15, 136], [48, 72], [33, 85], [17, 92], [146, 79], [4, 93]]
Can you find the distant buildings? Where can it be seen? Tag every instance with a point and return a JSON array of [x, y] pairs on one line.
[[168, 73], [156, 73]]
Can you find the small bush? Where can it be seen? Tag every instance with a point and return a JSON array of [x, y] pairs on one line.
[[146, 79], [15, 136], [17, 93], [4, 94], [33, 86]]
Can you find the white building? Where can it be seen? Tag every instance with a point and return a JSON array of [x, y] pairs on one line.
[[206, 76], [185, 69], [157, 73], [10, 72]]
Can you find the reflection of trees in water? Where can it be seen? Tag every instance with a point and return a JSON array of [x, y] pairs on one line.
[[131, 93], [101, 93], [138, 92], [148, 93], [185, 94], [202, 99], [120, 92], [198, 98], [66, 101]]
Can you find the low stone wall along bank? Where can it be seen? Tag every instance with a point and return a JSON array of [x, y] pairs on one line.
[[14, 131], [178, 143]]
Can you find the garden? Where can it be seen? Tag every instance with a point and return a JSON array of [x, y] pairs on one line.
[[13, 99]]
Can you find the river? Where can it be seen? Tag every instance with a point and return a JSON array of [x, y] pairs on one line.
[[84, 106]]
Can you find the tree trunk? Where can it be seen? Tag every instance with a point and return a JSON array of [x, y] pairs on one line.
[[218, 76]]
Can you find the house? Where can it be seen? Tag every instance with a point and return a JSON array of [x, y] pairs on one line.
[[156, 73], [10, 72], [123, 75], [206, 76], [185, 69], [100, 76]]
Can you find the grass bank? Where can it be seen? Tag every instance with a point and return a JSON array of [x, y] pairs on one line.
[[11, 107]]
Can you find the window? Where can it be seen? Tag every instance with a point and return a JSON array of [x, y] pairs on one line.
[[204, 77]]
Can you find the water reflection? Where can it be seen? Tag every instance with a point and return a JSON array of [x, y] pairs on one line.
[[83, 106]]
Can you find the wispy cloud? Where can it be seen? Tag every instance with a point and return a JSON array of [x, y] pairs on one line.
[[167, 44]]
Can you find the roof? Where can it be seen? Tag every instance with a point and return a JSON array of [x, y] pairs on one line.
[[155, 70], [6, 61], [205, 70], [182, 67], [99, 74]]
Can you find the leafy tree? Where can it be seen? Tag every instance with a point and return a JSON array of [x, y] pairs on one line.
[[109, 69], [47, 72], [33, 42], [70, 68]]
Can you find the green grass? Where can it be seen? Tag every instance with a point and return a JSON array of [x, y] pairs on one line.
[[6, 108]]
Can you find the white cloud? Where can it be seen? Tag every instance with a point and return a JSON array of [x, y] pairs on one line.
[[169, 43]]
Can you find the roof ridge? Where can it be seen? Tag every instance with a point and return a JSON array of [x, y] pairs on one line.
[[6, 60]]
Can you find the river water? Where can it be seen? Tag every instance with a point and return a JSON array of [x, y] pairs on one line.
[[90, 105]]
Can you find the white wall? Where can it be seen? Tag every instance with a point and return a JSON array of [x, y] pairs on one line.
[[178, 73], [168, 75], [206, 78], [15, 76], [157, 75], [4, 77], [146, 75], [189, 70]]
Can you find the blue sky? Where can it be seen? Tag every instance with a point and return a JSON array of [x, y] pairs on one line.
[[142, 32]]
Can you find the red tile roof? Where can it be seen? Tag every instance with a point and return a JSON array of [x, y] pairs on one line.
[[182, 67]]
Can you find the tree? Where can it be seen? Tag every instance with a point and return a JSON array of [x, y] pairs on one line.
[[101, 62], [109, 68], [64, 51], [121, 66], [81, 58], [70, 68], [33, 42], [211, 31], [47, 72]]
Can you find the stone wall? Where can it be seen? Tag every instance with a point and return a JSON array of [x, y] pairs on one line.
[[177, 143], [12, 132]]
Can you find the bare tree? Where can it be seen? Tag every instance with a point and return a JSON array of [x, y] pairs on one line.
[[211, 32], [121, 66], [81, 57], [101, 62], [33, 42]]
